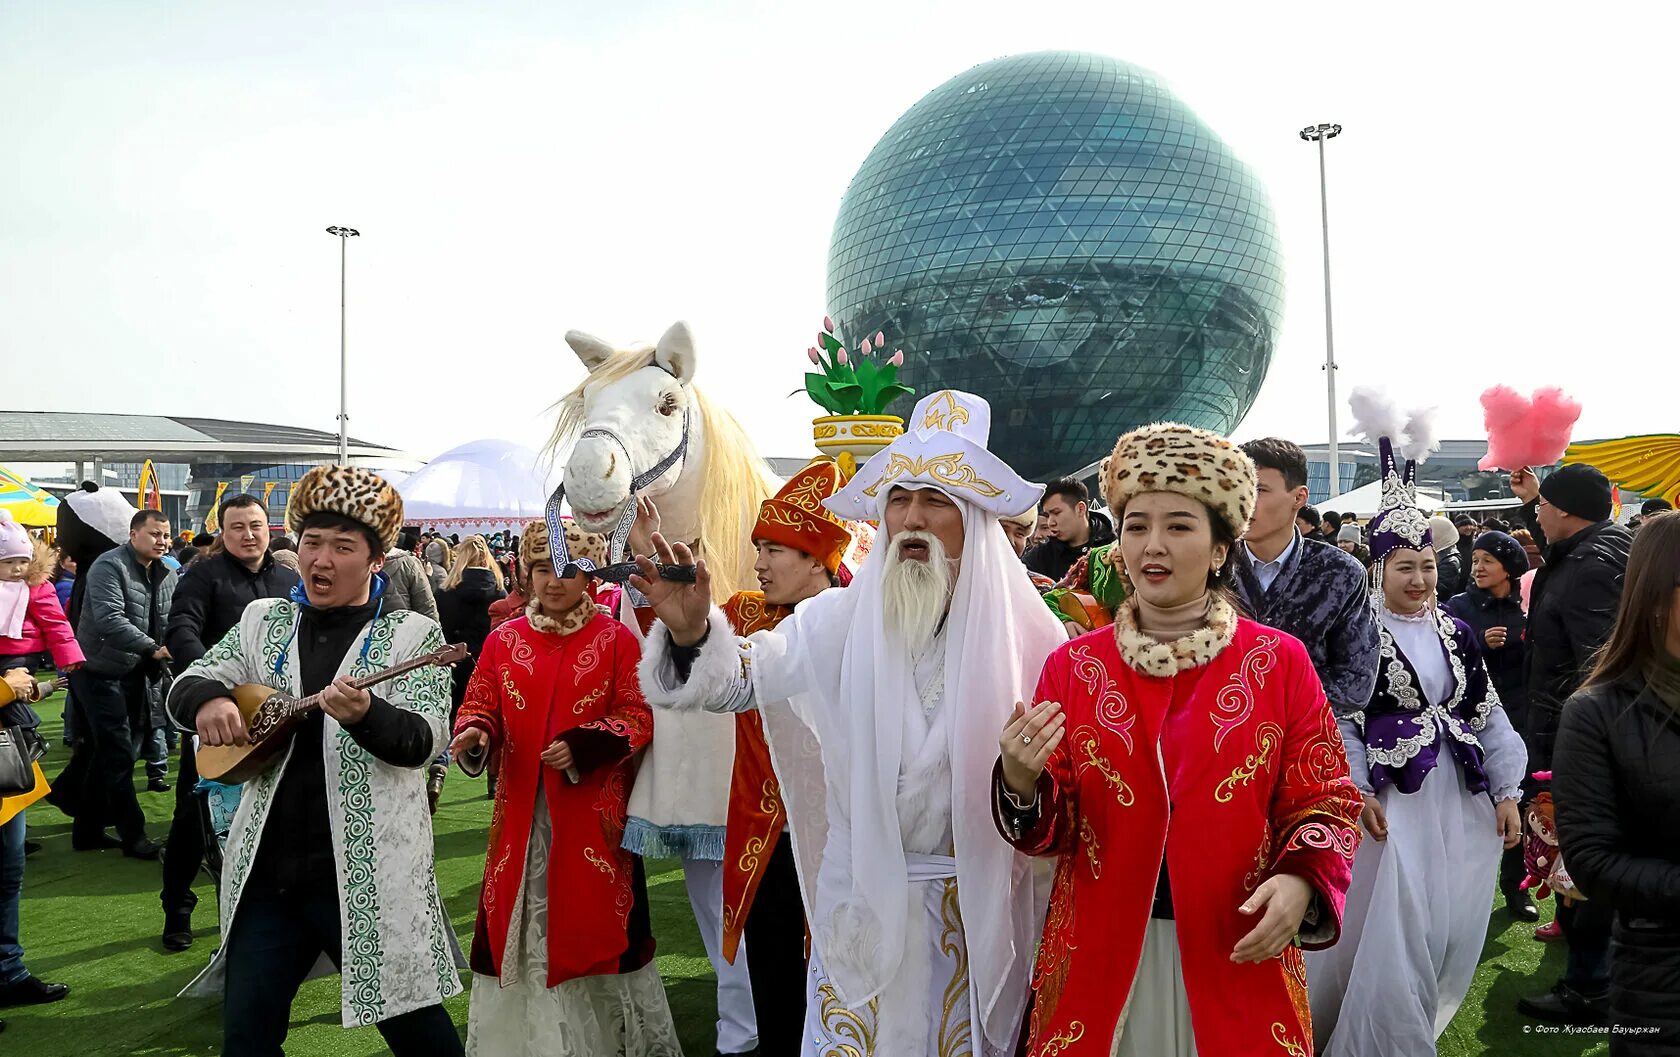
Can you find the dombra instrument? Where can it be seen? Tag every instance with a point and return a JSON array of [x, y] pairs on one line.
[[271, 717]]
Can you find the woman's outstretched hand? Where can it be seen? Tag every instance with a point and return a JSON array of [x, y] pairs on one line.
[[1026, 743]]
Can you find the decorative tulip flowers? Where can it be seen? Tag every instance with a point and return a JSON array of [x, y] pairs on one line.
[[860, 383]]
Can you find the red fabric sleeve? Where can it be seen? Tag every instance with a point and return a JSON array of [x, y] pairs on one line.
[[482, 705], [1315, 807], [56, 633]]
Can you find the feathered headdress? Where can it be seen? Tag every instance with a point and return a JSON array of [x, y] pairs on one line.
[[1377, 417]]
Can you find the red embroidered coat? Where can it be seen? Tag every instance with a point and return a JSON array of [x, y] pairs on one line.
[[756, 815], [531, 688], [1246, 752]]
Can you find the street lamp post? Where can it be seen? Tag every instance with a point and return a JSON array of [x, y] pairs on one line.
[[1319, 134], [344, 236]]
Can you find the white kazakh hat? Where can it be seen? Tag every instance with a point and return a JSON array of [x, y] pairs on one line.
[[943, 447]]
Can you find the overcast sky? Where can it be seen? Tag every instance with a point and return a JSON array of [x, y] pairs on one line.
[[1502, 201]]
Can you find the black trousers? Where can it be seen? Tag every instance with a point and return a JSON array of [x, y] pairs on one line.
[[106, 796], [275, 940], [775, 936], [1586, 928], [184, 853]]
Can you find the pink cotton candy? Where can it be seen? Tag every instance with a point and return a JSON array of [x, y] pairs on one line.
[[1523, 432]]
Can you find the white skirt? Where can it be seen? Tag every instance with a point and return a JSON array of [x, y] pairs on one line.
[[592, 1016], [1414, 923], [1156, 1022]]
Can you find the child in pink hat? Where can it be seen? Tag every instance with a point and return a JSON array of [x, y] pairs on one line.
[[32, 624]]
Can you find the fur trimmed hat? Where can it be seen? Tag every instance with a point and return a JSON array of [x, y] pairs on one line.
[[348, 491], [1168, 457], [534, 548]]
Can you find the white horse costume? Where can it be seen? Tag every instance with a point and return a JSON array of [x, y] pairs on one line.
[[636, 410]]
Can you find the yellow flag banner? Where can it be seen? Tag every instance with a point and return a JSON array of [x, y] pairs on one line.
[[146, 491], [212, 523], [268, 490]]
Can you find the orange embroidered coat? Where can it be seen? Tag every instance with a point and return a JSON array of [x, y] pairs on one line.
[[756, 815], [531, 688], [1244, 755]]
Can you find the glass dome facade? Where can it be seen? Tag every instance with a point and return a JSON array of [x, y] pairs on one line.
[[1060, 234]]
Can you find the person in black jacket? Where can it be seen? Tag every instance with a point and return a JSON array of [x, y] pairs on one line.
[[1492, 607], [473, 583], [1074, 529], [209, 600], [1572, 607], [1616, 782]]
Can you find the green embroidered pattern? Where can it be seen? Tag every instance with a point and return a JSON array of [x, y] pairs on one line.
[[364, 947], [228, 649], [277, 627]]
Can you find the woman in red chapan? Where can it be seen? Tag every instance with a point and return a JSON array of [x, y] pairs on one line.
[[1185, 770], [562, 955]]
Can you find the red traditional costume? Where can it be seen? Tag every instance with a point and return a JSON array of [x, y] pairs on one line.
[[1191, 771], [562, 902]]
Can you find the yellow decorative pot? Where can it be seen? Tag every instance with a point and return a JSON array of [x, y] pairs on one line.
[[851, 439]]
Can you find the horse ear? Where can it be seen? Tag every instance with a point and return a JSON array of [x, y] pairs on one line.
[[675, 352], [590, 349]]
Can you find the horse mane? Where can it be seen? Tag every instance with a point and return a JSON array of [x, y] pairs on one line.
[[736, 477]]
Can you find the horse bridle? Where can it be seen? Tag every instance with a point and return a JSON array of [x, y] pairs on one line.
[[616, 570]]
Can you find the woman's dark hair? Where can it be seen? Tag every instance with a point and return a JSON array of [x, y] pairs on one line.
[[324, 519], [1640, 637]]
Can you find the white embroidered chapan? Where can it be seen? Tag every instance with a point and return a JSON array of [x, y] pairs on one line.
[[400, 953]]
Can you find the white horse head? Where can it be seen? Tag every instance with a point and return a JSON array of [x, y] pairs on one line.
[[642, 401]]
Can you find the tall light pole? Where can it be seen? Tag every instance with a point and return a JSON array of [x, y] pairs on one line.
[[344, 237], [1318, 134]]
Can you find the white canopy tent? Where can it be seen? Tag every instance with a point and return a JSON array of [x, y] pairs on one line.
[[481, 486], [1366, 500]]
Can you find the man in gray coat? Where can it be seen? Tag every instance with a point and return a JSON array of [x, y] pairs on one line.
[[120, 629]]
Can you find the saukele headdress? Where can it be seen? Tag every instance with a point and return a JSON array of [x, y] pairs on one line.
[[1399, 522]]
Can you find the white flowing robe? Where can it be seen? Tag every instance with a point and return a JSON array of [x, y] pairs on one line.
[[399, 952], [923, 921], [1416, 911]]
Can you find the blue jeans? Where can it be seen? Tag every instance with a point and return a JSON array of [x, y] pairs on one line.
[[11, 894]]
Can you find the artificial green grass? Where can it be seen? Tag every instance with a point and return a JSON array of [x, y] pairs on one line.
[[92, 920]]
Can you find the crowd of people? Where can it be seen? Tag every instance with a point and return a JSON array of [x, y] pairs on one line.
[[1202, 771]]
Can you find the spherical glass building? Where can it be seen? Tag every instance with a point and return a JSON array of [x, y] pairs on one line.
[[1058, 233]]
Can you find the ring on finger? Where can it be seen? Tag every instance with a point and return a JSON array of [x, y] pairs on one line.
[[1026, 739]]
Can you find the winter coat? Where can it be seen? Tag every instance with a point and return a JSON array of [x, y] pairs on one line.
[[124, 610], [508, 608], [210, 598], [1320, 597], [1053, 557], [1572, 607], [1506, 665], [45, 630], [464, 613], [1616, 782], [66, 584], [1452, 575], [407, 586]]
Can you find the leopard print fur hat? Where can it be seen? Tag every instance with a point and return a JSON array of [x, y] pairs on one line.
[[1168, 457], [352, 492]]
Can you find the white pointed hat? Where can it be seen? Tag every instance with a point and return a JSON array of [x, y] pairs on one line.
[[944, 447]]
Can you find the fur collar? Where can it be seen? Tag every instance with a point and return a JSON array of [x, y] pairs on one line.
[[1166, 659], [566, 623]]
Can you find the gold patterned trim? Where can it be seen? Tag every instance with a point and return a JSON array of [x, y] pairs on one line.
[[950, 470], [855, 1034], [957, 1041], [1265, 740], [944, 413], [1060, 1041]]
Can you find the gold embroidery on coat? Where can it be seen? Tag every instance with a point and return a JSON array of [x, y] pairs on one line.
[[1235, 701], [855, 1036], [958, 1042], [589, 699], [1060, 1041], [1093, 849], [1086, 741], [1265, 739], [1292, 1047]]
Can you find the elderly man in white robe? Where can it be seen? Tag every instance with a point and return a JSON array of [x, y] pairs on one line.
[[880, 704]]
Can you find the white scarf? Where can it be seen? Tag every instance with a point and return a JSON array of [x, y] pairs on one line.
[[855, 878], [14, 603]]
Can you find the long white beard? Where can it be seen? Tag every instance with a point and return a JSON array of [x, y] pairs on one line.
[[914, 594]]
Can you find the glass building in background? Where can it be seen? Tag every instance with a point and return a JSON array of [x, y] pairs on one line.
[[1060, 234]]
